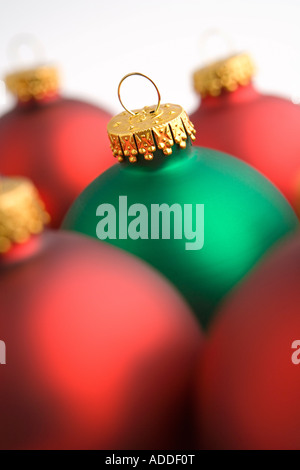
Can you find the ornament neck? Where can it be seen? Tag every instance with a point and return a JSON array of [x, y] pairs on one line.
[[37, 102], [21, 252], [160, 160], [241, 95]]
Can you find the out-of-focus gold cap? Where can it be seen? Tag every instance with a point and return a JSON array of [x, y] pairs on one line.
[[36, 83], [227, 74], [22, 212], [145, 130]]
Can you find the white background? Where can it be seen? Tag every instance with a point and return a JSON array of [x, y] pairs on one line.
[[96, 42]]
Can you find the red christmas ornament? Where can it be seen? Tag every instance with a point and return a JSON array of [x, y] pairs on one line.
[[262, 130], [99, 349], [250, 376], [61, 144]]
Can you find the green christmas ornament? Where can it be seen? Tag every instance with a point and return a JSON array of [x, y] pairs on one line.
[[201, 217]]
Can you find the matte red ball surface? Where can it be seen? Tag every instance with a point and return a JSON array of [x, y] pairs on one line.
[[262, 130], [248, 390], [100, 350], [61, 145]]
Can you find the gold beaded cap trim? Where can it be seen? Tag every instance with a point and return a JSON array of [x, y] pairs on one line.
[[22, 212], [146, 131], [36, 83], [225, 74]]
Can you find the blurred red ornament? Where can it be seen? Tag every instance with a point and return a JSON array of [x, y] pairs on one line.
[[61, 144], [235, 118], [250, 376], [100, 349]]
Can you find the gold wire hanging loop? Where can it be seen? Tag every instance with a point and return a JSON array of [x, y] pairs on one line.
[[32, 43], [141, 75], [218, 33]]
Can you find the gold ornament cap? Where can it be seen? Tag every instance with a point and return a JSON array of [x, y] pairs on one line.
[[141, 132], [35, 83], [22, 212], [227, 74]]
